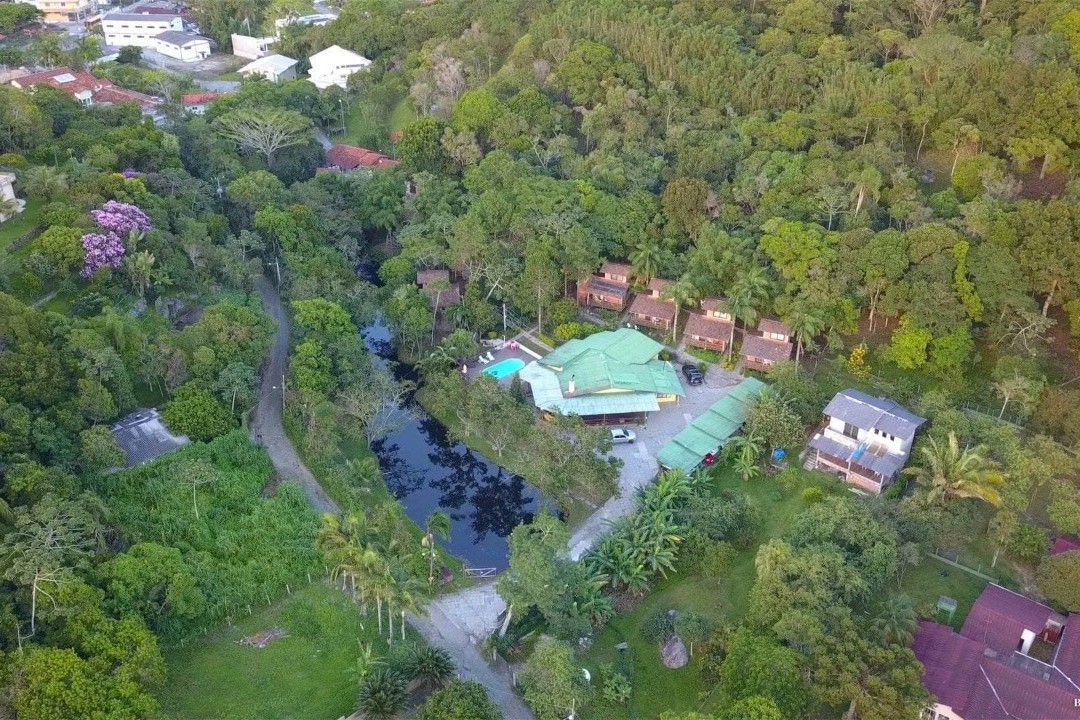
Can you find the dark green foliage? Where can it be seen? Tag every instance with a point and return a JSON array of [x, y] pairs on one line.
[[459, 700], [657, 625], [430, 665], [195, 412], [243, 548], [382, 695]]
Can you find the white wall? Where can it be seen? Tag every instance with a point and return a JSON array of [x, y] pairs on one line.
[[896, 445], [188, 53], [137, 33], [249, 47]]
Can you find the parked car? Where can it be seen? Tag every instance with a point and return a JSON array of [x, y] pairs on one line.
[[692, 375], [623, 435]]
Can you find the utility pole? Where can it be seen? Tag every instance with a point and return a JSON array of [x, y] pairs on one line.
[[504, 321]]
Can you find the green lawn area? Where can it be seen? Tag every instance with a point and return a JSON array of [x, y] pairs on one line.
[[308, 674], [657, 688], [16, 226], [402, 115], [362, 123], [931, 579]]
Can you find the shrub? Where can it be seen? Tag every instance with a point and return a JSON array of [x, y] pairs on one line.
[[129, 54], [546, 339], [571, 330], [1028, 543], [563, 312], [460, 700], [813, 495], [709, 356], [1059, 580], [657, 625], [195, 412], [617, 686], [382, 695], [699, 555]]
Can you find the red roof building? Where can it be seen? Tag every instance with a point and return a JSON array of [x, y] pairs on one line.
[[84, 87], [350, 157], [1065, 543], [651, 308], [1014, 658], [609, 288]]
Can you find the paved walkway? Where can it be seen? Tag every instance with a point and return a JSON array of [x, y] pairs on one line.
[[441, 630], [266, 422]]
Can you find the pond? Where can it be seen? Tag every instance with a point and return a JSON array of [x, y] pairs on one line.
[[425, 470]]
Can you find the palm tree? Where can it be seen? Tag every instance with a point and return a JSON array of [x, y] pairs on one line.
[[455, 315], [667, 493], [43, 181], [949, 472], [747, 450], [683, 292], [897, 620], [616, 561], [382, 695], [805, 324], [437, 524], [432, 666], [746, 297], [645, 259], [866, 182]]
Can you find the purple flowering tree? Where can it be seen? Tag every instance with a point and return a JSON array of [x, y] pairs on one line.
[[102, 250], [107, 249], [121, 218]]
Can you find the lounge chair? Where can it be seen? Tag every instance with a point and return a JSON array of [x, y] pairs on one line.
[[483, 360], [489, 356]]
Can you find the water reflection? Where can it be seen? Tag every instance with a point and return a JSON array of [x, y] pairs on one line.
[[426, 470]]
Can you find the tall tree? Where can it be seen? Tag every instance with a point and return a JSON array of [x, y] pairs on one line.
[[266, 130], [949, 471]]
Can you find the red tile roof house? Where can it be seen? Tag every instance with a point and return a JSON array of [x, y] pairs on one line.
[[1014, 658], [609, 288], [761, 352], [350, 157], [711, 329], [649, 309], [451, 296], [84, 87], [196, 103]]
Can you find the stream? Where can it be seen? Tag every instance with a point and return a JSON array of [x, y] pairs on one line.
[[425, 469]]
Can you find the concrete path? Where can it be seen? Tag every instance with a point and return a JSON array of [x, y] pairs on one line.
[[442, 631], [266, 422], [323, 139]]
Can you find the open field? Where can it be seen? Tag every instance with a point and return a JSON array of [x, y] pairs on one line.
[[310, 673]]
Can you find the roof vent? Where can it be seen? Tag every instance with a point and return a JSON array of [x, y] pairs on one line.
[[571, 386], [64, 78]]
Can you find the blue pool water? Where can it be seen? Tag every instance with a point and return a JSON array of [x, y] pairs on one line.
[[503, 368]]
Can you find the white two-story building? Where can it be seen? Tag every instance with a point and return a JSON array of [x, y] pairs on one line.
[[866, 440], [334, 65], [138, 29]]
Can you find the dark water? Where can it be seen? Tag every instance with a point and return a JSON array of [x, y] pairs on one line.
[[426, 470]]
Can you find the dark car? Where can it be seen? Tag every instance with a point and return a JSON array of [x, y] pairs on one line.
[[692, 375]]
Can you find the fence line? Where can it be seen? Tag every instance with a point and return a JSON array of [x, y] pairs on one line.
[[960, 566]]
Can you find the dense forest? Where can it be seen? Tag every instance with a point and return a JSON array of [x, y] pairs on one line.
[[894, 180]]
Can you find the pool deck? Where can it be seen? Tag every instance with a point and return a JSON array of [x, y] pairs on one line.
[[476, 368]]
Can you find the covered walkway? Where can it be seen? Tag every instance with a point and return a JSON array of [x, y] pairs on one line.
[[710, 430]]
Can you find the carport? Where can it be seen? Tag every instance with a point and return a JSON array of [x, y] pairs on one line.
[[708, 432]]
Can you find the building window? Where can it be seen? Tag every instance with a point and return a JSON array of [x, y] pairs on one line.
[[851, 431]]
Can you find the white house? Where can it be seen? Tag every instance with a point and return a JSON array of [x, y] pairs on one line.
[[272, 67], [866, 440], [138, 29], [182, 45], [334, 65], [251, 48], [7, 193]]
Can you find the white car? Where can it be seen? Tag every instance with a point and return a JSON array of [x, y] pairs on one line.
[[622, 435]]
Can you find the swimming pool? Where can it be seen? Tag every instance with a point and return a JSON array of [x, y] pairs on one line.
[[504, 368]]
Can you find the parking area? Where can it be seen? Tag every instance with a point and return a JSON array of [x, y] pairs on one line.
[[207, 68], [639, 457]]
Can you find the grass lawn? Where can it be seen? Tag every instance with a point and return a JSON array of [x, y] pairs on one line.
[[402, 115], [308, 674], [657, 688], [16, 226], [931, 579]]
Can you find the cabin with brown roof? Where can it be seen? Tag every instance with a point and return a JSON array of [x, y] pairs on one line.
[[439, 299], [609, 288], [772, 345], [651, 310], [711, 329]]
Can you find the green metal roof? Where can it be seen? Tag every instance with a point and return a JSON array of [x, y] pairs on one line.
[[548, 395], [623, 345], [623, 360], [709, 431], [677, 457]]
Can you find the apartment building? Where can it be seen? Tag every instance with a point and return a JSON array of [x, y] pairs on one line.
[[65, 10], [138, 29]]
